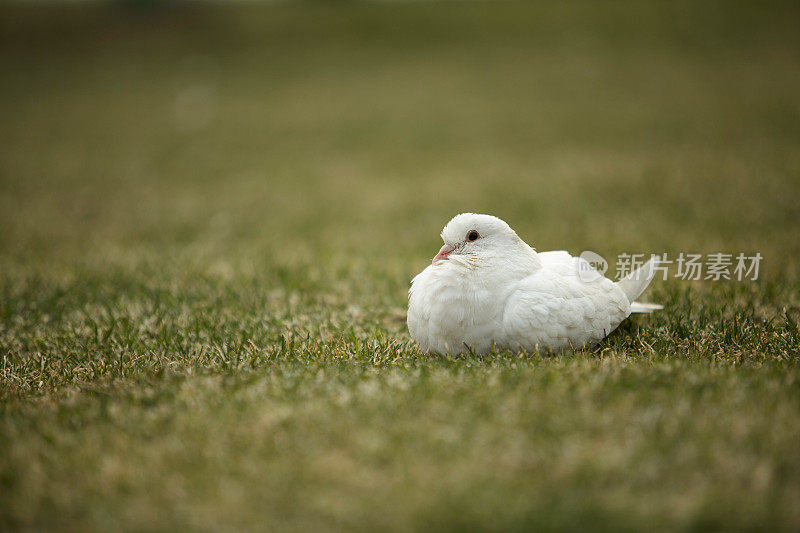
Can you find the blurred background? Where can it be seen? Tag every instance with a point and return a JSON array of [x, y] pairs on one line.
[[223, 136], [210, 214]]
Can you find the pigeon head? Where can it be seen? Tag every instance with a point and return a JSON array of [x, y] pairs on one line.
[[470, 234]]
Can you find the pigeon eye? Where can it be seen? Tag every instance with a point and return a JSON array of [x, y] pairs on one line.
[[472, 236]]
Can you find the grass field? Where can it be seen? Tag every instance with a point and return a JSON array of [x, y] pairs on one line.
[[209, 218]]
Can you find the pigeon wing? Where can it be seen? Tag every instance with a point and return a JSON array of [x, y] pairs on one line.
[[555, 308]]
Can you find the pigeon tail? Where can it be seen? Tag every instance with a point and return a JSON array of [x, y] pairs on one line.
[[635, 283], [641, 307]]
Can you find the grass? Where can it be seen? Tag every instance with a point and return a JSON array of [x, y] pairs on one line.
[[209, 218]]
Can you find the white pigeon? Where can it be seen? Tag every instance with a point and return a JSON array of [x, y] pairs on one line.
[[487, 288]]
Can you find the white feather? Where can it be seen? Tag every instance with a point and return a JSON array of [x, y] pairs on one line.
[[498, 291]]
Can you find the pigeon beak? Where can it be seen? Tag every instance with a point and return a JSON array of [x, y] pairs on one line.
[[444, 251]]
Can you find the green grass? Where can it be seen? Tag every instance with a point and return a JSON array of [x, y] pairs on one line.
[[209, 218]]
